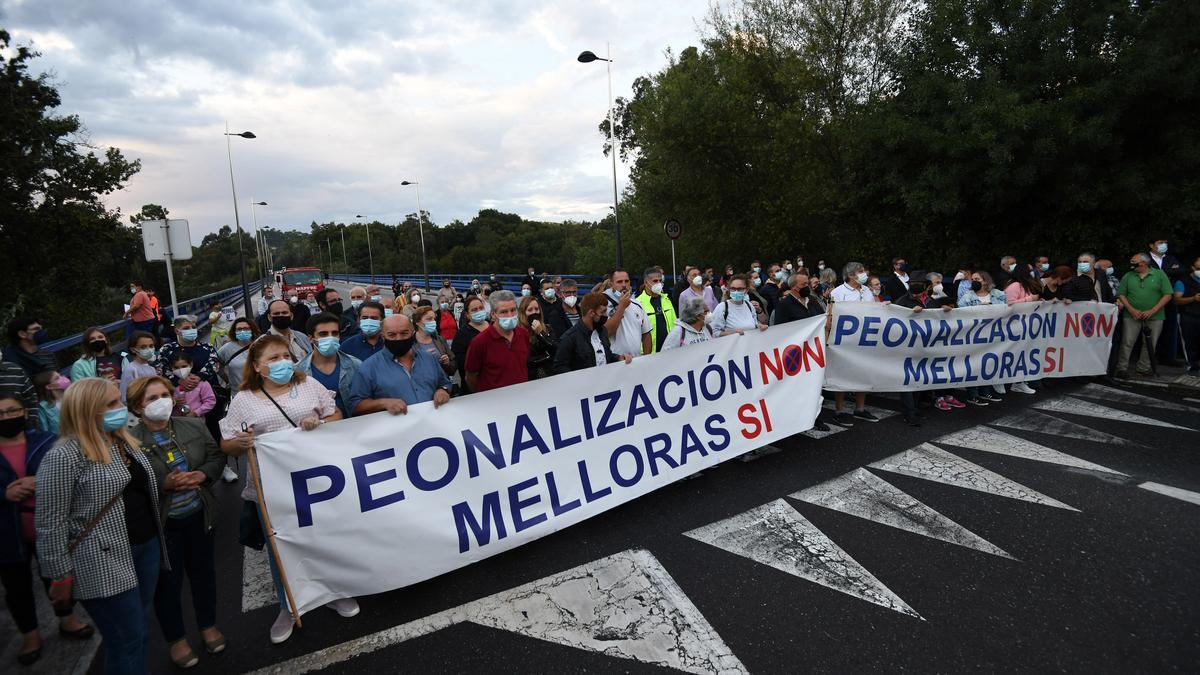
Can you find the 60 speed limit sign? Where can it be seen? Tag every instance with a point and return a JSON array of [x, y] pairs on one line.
[[673, 229]]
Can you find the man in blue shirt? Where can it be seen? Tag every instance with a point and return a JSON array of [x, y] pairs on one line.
[[334, 370], [399, 376], [368, 341]]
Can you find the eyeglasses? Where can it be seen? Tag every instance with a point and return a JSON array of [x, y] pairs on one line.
[[11, 412]]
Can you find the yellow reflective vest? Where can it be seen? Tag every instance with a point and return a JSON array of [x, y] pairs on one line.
[[668, 311]]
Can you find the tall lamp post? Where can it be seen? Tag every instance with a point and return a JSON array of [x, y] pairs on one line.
[[370, 255], [258, 245], [421, 229], [345, 265], [237, 222], [588, 57]]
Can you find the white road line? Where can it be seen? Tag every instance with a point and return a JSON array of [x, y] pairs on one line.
[[1032, 420], [1100, 392], [932, 463], [993, 440], [776, 535], [625, 605], [1192, 400], [863, 494], [1075, 406], [1177, 493]]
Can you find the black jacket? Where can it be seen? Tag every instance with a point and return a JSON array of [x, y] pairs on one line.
[[575, 350], [790, 309], [1170, 265], [1083, 288], [554, 316], [893, 287], [910, 301]]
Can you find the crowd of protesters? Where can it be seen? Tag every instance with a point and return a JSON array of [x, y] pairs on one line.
[[108, 465]]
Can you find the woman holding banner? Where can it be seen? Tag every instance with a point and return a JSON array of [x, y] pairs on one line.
[[274, 396], [982, 291]]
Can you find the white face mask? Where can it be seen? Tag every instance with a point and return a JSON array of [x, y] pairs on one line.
[[697, 280], [159, 410], [182, 373], [937, 289], [570, 300], [656, 288]]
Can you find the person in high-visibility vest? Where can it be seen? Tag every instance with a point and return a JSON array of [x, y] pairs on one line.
[[658, 308]]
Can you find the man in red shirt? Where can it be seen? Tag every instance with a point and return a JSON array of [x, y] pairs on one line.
[[497, 357]]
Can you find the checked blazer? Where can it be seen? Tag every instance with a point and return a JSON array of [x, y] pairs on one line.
[[71, 491]]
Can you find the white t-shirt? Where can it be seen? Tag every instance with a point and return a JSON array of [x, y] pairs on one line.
[[845, 293], [598, 347], [740, 317], [634, 324]]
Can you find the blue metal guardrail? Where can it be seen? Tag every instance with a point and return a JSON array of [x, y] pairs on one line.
[[196, 306], [460, 282]]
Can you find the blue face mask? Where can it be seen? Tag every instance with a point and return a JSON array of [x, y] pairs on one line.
[[356, 303], [480, 316], [115, 419], [328, 346], [1162, 248], [1045, 267], [524, 292], [862, 277], [549, 293], [376, 298], [189, 334], [737, 296], [387, 313], [429, 327], [1109, 271], [508, 323], [243, 335], [281, 371], [1084, 267], [369, 327]]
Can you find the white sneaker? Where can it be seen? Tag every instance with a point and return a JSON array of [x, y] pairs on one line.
[[229, 475], [281, 630], [998, 388], [345, 607], [1022, 388]]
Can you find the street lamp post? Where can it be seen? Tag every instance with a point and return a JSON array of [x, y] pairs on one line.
[[258, 244], [370, 255], [345, 265], [421, 229], [588, 57], [237, 222]]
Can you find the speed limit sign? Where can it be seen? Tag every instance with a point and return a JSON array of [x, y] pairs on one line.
[[673, 229]]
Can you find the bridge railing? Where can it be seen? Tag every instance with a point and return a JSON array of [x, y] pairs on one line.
[[461, 282], [120, 329]]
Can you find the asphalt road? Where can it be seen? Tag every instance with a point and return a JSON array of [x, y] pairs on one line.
[[1063, 568]]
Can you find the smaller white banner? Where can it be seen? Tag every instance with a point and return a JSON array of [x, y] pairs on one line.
[[877, 347]]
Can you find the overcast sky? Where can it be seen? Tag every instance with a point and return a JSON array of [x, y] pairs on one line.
[[483, 103]]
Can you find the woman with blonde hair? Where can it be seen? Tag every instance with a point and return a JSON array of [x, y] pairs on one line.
[[97, 519]]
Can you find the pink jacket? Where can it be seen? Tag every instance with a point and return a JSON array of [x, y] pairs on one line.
[[200, 399], [1015, 293]]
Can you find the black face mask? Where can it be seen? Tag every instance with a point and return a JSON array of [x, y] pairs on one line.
[[399, 348], [804, 291], [9, 428], [976, 286], [97, 345], [334, 308], [903, 267], [535, 317], [281, 322]]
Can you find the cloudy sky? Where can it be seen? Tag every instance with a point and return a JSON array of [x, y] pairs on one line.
[[483, 103]]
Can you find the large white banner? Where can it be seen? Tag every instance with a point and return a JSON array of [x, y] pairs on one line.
[[877, 347], [379, 502]]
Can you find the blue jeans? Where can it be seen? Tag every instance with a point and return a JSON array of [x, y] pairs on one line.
[[121, 618], [280, 593]]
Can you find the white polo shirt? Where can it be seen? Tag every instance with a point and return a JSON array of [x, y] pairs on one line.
[[634, 324], [845, 293]]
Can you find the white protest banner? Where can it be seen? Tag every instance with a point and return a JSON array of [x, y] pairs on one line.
[[379, 502], [877, 347]]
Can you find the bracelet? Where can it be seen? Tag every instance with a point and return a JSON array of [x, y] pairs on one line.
[[65, 581]]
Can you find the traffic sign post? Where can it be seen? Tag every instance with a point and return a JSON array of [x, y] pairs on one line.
[[673, 230], [167, 240]]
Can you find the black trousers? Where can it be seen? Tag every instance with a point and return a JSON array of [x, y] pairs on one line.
[[17, 579], [190, 550]]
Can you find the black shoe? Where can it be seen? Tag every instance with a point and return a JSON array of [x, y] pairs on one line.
[[843, 419], [29, 658], [84, 633], [912, 421], [1193, 371], [991, 398], [818, 425], [975, 400], [864, 415]]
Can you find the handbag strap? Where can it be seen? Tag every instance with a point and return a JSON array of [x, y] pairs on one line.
[[87, 529], [279, 407]]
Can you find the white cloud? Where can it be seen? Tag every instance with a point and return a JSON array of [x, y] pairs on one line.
[[483, 103]]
